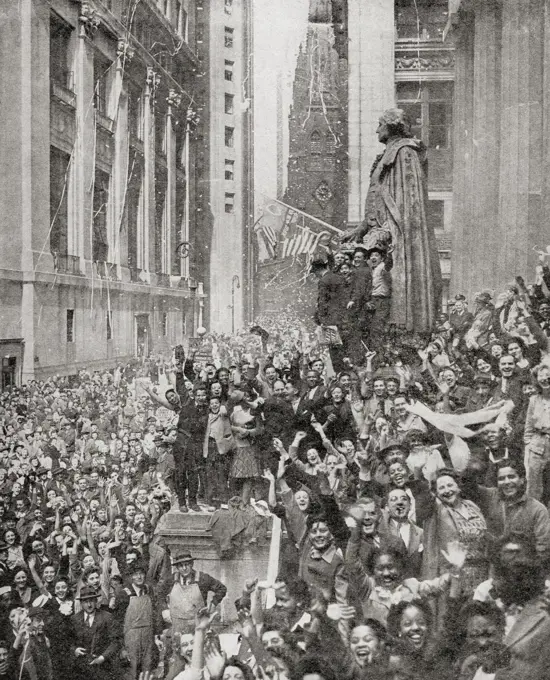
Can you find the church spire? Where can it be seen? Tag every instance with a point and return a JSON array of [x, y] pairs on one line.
[[320, 12]]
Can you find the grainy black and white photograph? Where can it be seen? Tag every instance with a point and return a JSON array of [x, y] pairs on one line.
[[275, 339]]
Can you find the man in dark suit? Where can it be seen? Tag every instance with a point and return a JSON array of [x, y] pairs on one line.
[[95, 643], [460, 319], [331, 306]]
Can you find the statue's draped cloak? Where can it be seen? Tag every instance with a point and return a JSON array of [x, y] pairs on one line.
[[396, 201]]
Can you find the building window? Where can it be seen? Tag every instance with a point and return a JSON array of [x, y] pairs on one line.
[[228, 7], [423, 20], [109, 325], [435, 214], [200, 33], [229, 103], [184, 324], [229, 169], [229, 137], [429, 107], [100, 247], [60, 38], [70, 325], [229, 203], [164, 324], [229, 70], [330, 143], [102, 68], [59, 191], [228, 36], [316, 143]]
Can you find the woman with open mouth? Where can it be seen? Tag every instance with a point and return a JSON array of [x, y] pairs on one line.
[[387, 586], [411, 624], [454, 518]]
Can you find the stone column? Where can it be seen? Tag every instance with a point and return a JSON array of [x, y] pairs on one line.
[[371, 90], [85, 133], [174, 102], [463, 154], [120, 165], [484, 228], [520, 210], [148, 222], [26, 120]]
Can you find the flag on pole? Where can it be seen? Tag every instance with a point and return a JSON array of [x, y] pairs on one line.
[[284, 231]]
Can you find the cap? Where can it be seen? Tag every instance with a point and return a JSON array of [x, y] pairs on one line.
[[183, 557], [88, 593], [460, 298]]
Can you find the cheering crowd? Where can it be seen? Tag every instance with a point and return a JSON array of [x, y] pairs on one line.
[[411, 476]]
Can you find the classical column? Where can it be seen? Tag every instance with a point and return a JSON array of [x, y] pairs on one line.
[[84, 150], [484, 226], [120, 165], [520, 215], [463, 156], [174, 102], [371, 90], [148, 222]]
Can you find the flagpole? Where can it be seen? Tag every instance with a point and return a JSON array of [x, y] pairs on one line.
[[301, 212]]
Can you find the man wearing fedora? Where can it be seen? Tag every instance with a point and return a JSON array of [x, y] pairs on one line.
[[190, 592], [95, 643]]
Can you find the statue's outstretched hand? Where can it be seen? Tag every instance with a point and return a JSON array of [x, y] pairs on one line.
[[353, 235]]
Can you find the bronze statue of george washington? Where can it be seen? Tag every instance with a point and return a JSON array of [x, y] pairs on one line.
[[395, 219]]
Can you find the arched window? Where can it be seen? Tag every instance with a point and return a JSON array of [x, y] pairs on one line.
[[316, 142], [331, 143]]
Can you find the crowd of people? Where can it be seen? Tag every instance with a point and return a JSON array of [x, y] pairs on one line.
[[411, 475]]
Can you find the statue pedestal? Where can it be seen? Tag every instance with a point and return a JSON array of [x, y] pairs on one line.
[[190, 532]]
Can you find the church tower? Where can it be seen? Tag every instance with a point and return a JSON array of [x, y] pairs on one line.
[[317, 167]]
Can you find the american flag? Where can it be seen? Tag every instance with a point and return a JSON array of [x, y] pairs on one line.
[[285, 232]]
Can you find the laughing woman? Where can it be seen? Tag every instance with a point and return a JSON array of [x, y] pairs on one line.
[[455, 519], [382, 583]]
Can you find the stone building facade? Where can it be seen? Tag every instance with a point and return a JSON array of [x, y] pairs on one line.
[[102, 255]]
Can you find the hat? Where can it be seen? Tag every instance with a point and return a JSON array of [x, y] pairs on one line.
[[483, 296], [41, 471], [317, 265], [3, 546], [4, 590], [137, 566], [394, 446], [57, 471], [182, 557], [460, 298], [378, 248], [88, 593]]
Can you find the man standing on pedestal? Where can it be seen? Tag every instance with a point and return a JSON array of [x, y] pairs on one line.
[[395, 217], [331, 307]]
